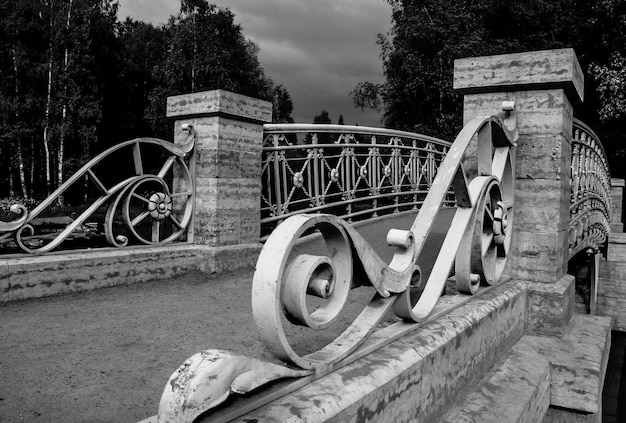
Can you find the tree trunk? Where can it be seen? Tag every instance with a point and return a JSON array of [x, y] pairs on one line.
[[11, 191], [18, 141], [31, 176], [46, 125], [20, 166], [61, 150]]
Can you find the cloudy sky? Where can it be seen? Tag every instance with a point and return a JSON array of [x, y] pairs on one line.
[[318, 49]]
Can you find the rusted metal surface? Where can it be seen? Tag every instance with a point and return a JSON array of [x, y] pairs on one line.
[[143, 200], [476, 246], [350, 171], [591, 192]]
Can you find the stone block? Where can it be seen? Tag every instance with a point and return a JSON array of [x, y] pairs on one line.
[[217, 163], [155, 263], [617, 201], [56, 273], [249, 226], [611, 292], [416, 377], [219, 102], [217, 132], [550, 306], [560, 415], [578, 362], [541, 205], [232, 257], [539, 256], [215, 228], [521, 71], [250, 165], [515, 391], [546, 112], [616, 248], [543, 157], [60, 275], [4, 281], [216, 194]]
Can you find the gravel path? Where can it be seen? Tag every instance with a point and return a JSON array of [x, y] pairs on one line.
[[105, 355]]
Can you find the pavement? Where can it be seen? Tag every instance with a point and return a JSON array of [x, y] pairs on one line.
[[105, 355]]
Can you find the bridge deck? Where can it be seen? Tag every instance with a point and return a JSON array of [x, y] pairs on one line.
[[105, 355]]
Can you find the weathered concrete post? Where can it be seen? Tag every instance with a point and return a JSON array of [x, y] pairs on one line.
[[229, 131], [617, 202], [544, 86]]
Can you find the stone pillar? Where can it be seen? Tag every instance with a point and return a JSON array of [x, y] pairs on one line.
[[617, 204], [229, 131], [544, 86]]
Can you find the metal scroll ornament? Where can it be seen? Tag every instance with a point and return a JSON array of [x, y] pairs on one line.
[[475, 249], [153, 204]]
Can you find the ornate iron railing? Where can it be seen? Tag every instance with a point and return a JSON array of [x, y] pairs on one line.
[[295, 289], [350, 171], [139, 191], [591, 192]]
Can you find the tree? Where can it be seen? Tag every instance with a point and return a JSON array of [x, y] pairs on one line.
[[20, 47], [75, 80], [322, 118], [426, 37], [282, 105], [205, 50]]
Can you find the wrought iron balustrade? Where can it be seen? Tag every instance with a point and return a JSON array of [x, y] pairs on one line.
[[350, 171], [590, 203], [139, 192]]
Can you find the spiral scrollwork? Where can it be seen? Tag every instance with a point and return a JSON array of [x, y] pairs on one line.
[[329, 277], [476, 248]]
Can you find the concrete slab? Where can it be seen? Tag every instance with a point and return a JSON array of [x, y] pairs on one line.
[[516, 391], [416, 377], [578, 362]]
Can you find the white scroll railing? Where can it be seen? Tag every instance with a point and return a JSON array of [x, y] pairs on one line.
[[352, 172], [591, 192], [295, 292]]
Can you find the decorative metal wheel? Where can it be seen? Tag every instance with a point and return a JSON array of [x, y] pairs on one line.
[[155, 209], [486, 240]]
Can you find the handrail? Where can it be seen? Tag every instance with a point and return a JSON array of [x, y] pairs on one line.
[[285, 128], [349, 171], [590, 202], [476, 246]]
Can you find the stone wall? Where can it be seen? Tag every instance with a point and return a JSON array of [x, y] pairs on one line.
[[225, 232], [611, 290], [67, 272]]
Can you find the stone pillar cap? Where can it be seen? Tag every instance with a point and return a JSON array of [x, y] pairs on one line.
[[219, 102], [547, 69]]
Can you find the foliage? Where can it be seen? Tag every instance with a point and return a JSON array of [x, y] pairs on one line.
[[427, 36], [75, 80], [611, 87]]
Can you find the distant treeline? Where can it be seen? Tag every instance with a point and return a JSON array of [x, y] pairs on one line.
[[426, 36], [74, 80]]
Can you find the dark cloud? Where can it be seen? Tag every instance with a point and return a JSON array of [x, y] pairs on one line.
[[318, 49]]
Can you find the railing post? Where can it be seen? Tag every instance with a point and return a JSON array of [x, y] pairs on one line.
[[229, 142], [544, 86]]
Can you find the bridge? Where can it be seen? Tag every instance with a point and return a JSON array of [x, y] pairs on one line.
[[471, 323]]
